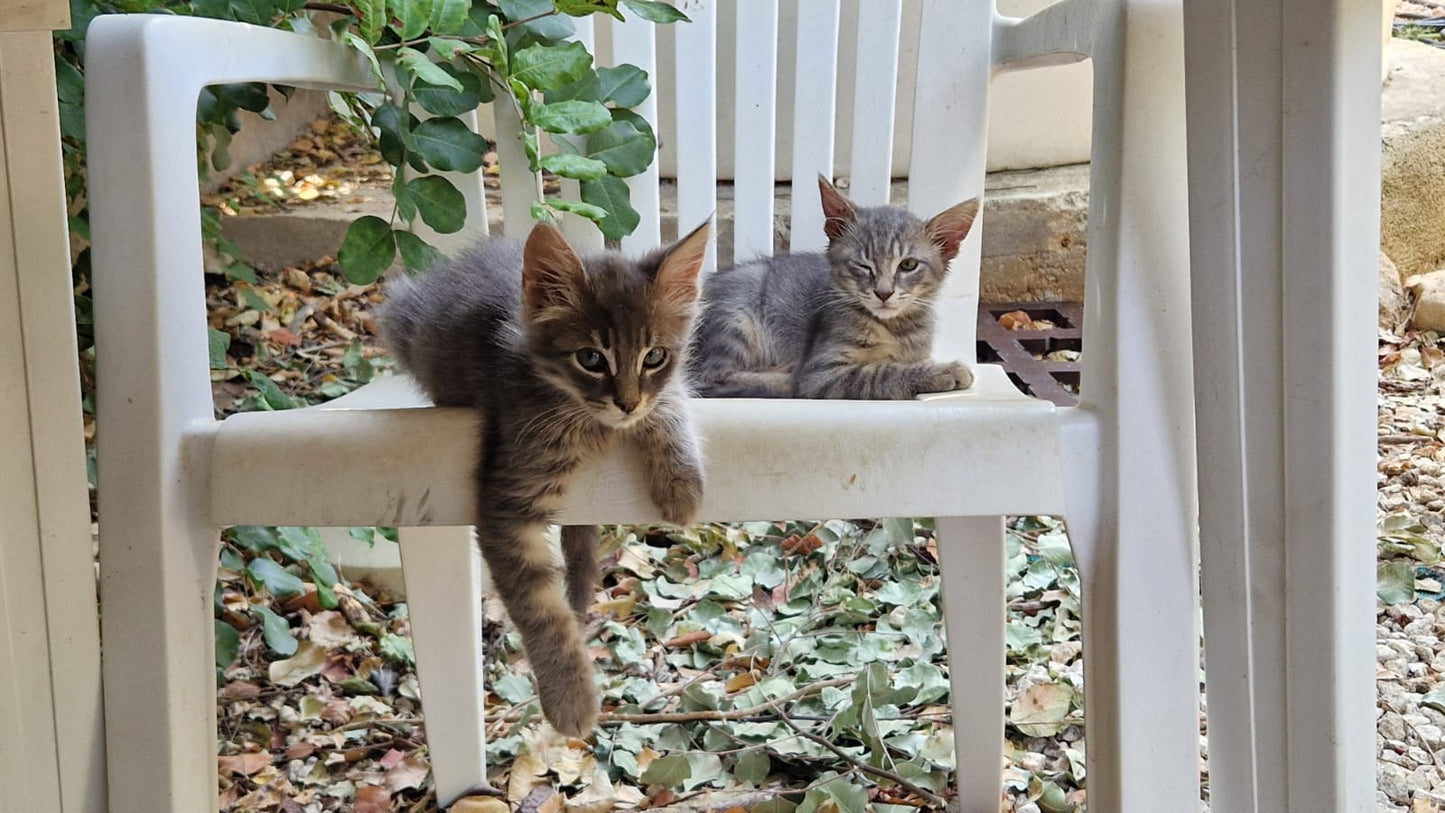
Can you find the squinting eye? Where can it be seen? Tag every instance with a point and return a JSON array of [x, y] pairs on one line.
[[654, 358], [591, 360], [863, 268], [908, 264]]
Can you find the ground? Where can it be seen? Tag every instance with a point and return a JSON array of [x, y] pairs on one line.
[[747, 637]]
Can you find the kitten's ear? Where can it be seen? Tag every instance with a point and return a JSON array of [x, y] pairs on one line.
[[552, 273], [677, 273], [948, 228], [839, 213]]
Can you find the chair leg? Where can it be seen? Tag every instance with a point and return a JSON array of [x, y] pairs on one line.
[[157, 583], [971, 558], [443, 571]]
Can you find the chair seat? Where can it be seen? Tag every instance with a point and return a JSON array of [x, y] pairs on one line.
[[386, 457]]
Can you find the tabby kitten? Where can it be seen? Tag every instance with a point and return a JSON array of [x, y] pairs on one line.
[[854, 322], [563, 356]]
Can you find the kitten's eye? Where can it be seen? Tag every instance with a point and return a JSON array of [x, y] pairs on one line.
[[863, 268], [591, 360], [654, 358], [908, 264]]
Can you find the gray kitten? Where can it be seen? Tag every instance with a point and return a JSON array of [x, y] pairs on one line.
[[563, 356], [855, 321]]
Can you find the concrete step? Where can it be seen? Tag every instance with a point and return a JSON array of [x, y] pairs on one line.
[[1033, 230]]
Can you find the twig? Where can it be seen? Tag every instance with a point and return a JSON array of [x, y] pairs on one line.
[[731, 714], [335, 7], [931, 797], [1405, 438]]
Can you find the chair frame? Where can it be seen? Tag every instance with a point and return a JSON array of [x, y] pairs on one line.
[[1119, 467]]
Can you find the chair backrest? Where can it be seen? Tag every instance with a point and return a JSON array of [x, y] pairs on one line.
[[961, 46]]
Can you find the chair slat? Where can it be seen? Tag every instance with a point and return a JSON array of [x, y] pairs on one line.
[[755, 133], [580, 232], [814, 108], [875, 92], [949, 140], [520, 186], [695, 67], [635, 42]]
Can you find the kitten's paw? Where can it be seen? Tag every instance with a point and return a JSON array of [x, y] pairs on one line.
[[677, 492], [569, 698], [950, 377]]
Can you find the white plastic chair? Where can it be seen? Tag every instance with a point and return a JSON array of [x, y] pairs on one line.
[[1119, 466]]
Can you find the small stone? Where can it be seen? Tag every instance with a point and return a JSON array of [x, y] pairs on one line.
[[1027, 808], [1394, 782], [1033, 763], [1391, 727], [1429, 290], [1431, 734]]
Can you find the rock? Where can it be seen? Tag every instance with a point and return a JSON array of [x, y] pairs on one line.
[[1394, 782], [1033, 763], [1391, 727], [1412, 159], [1429, 290], [1394, 306]]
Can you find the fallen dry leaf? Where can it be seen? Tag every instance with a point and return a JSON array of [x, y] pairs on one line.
[[372, 799], [243, 764], [409, 773], [307, 661]]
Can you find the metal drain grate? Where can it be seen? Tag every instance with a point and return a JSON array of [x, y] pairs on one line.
[[1024, 354]]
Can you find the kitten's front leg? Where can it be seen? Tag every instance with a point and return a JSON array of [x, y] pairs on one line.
[[945, 377], [672, 459]]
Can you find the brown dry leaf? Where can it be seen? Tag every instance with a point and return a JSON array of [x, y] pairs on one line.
[[330, 629], [527, 772], [542, 799], [740, 681], [1015, 320], [409, 773], [1040, 710], [801, 545], [479, 804], [372, 799], [243, 764], [687, 639], [307, 661], [597, 797]]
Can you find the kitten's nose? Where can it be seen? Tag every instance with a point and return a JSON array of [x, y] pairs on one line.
[[882, 295], [625, 404]]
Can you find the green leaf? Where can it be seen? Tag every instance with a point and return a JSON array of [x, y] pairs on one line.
[[391, 125], [277, 581], [362, 45], [69, 84], [414, 15], [547, 67], [271, 395], [513, 688], [220, 342], [625, 85], [586, 210], [398, 648], [655, 12], [367, 251], [448, 145], [323, 575], [255, 12], [276, 631], [572, 116], [228, 644], [574, 166], [669, 771], [448, 16], [254, 301], [372, 14], [1435, 699], [753, 767], [241, 271], [255, 538], [541, 214], [416, 254], [553, 27], [611, 195], [440, 204], [1395, 582], [421, 66], [622, 148], [445, 101]]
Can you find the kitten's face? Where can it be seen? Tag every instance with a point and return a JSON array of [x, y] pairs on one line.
[[610, 332], [885, 259]]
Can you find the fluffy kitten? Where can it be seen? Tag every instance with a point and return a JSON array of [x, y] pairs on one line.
[[563, 356], [853, 322]]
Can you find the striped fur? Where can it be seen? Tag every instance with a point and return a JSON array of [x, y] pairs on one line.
[[558, 353], [854, 322]]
